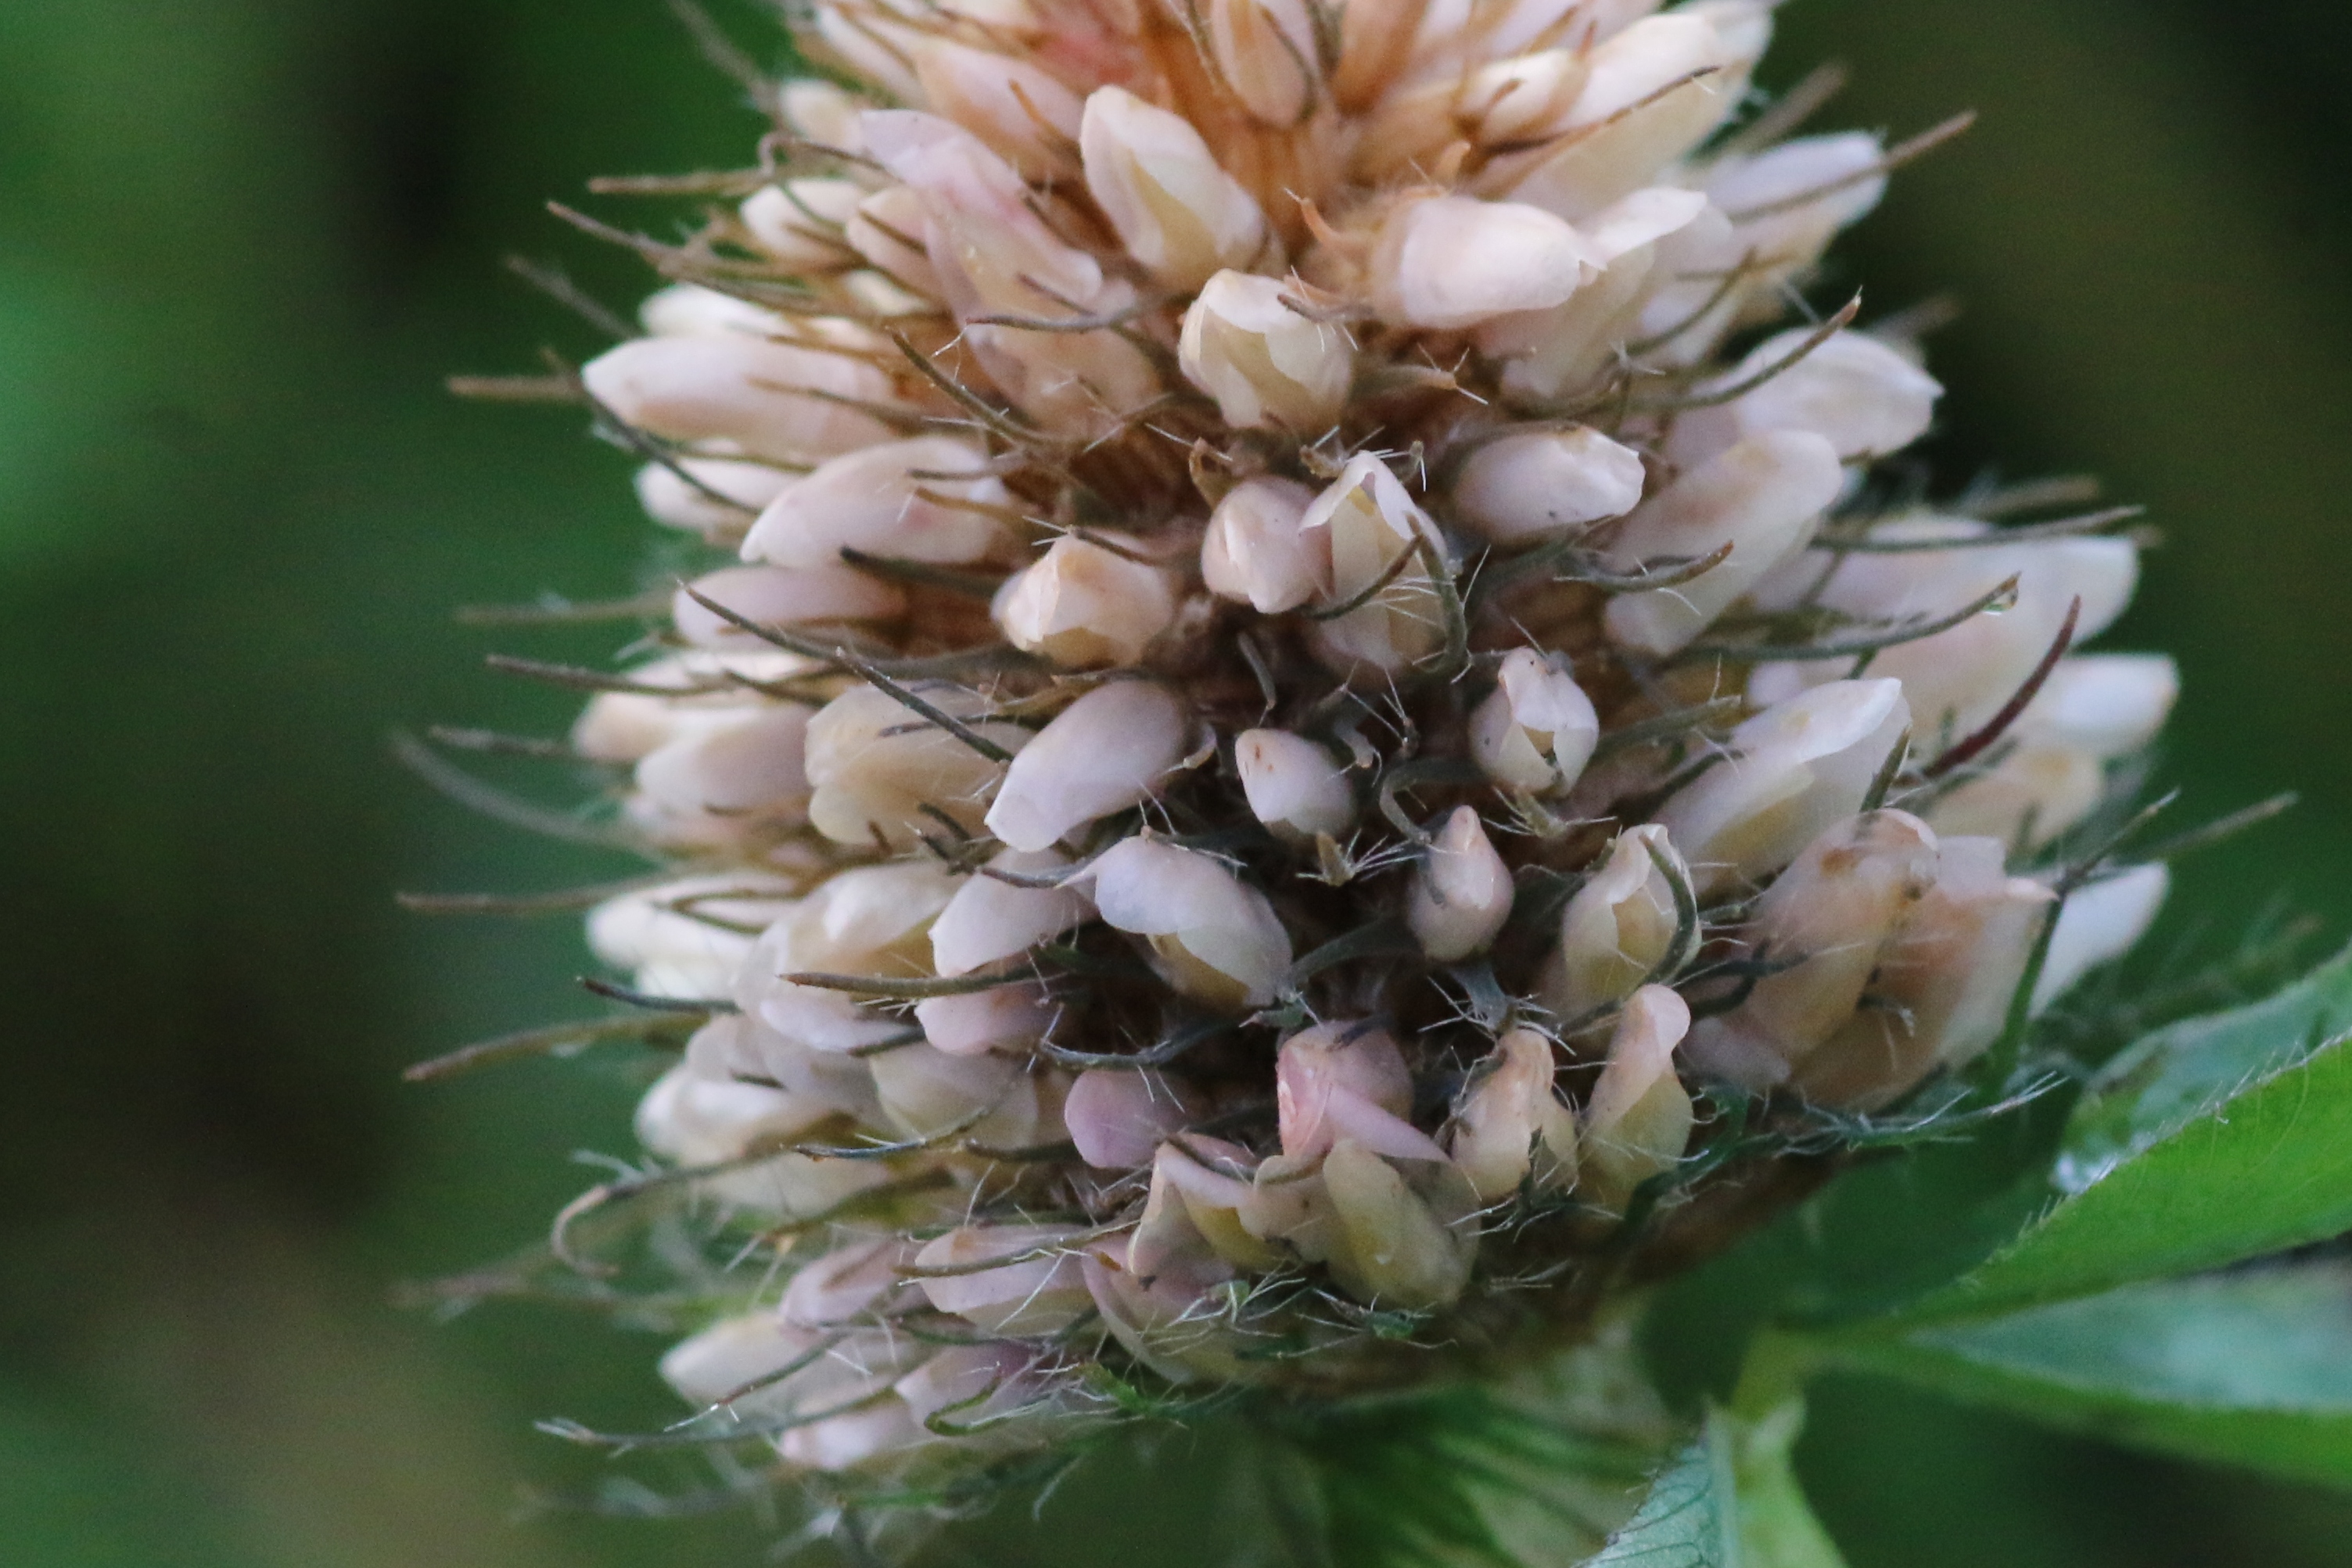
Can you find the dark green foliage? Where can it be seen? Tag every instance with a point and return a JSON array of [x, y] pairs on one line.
[[2250, 1368]]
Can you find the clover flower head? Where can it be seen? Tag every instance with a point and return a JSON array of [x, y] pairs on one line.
[[1332, 734]]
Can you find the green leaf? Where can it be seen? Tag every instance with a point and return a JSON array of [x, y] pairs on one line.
[[2256, 1171], [1730, 1500], [1888, 1235], [1533, 1472], [1464, 1480], [1688, 1521], [2212, 1140], [1566, 1465], [2252, 1369], [2170, 1078]]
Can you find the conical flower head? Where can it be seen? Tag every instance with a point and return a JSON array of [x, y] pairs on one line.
[[1314, 668]]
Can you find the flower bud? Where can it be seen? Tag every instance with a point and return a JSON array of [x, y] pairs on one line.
[[799, 223], [745, 764], [964, 1380], [876, 764], [1359, 1056], [1038, 1291], [834, 1372], [814, 1016], [698, 1121], [889, 229], [1175, 210], [1084, 607], [1264, 50], [1395, 1249], [1794, 769], [1156, 1317], [823, 112], [837, 1288], [1515, 26], [1078, 384], [1763, 497], [1267, 365], [2032, 794], [869, 1433], [869, 920], [1118, 1118], [1643, 243], [1112, 748], [928, 499], [1537, 729], [1207, 1178], [1957, 679], [882, 296], [1617, 929], [1638, 1121], [1376, 44], [736, 1361], [992, 253], [2109, 705], [1514, 100], [1456, 261], [1293, 786], [1523, 99], [991, 1397], [821, 1084], [873, 44], [1788, 202], [714, 497], [687, 938], [860, 1434], [1744, 26], [698, 1118], [1289, 1211], [1008, 1019], [994, 256], [1866, 398], [1869, 399], [1827, 919], [1188, 1241], [1542, 482], [749, 390], [780, 596], [1510, 1128], [1258, 551], [1651, 94], [2094, 708], [927, 1094], [690, 310], [1218, 941], [1462, 893], [1346, 1081], [990, 921], [867, 1430], [2099, 922], [1370, 525], [1021, 114], [673, 697], [1944, 986]]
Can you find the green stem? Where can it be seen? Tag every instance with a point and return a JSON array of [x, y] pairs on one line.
[[1774, 1371]]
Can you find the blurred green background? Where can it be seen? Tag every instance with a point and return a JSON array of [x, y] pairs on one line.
[[242, 241]]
